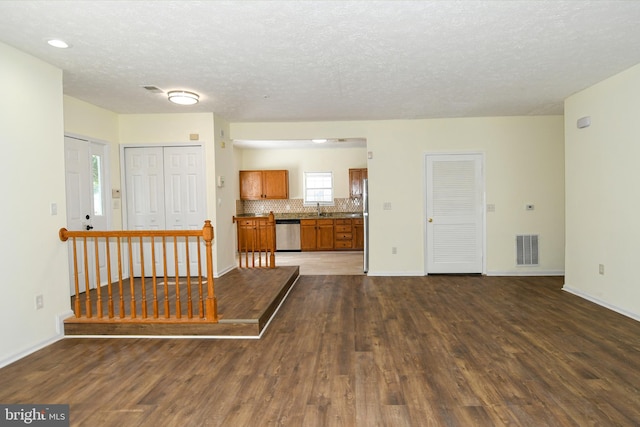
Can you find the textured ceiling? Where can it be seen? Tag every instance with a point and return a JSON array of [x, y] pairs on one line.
[[330, 60]]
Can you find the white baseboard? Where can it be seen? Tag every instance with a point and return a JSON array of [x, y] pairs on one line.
[[224, 271], [395, 273], [576, 292], [526, 273]]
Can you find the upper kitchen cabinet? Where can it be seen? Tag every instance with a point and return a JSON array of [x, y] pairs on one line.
[[355, 182], [264, 184]]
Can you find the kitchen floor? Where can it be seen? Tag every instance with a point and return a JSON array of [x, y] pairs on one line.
[[324, 263]]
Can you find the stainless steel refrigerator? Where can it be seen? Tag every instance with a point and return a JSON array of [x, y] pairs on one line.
[[365, 216]]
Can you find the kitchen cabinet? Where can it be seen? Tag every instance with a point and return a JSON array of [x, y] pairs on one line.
[[316, 234], [264, 184], [343, 229], [358, 234], [355, 182], [253, 235]]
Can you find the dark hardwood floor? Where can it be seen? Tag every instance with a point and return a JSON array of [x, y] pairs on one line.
[[363, 351]]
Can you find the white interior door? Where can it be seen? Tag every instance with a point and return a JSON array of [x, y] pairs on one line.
[[165, 189], [455, 213], [185, 197], [86, 184]]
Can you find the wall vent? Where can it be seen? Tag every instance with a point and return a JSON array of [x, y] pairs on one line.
[[527, 249]]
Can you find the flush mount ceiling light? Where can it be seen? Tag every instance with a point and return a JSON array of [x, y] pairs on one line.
[[60, 44], [319, 141], [183, 97]]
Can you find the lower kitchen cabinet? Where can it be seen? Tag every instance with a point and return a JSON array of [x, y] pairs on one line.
[[343, 234], [358, 234], [253, 235], [316, 234]]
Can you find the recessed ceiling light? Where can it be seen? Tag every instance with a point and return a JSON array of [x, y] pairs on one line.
[[183, 97], [319, 141], [60, 44]]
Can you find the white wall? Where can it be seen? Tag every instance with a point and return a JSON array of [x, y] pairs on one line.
[[298, 161], [34, 260], [524, 159], [225, 198], [602, 204]]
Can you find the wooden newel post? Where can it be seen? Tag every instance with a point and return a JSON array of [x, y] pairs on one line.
[[212, 302], [271, 226]]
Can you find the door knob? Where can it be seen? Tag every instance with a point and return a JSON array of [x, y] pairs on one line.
[[430, 219], [89, 227]]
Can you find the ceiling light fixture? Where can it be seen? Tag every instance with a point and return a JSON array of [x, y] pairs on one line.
[[183, 97], [60, 44], [319, 141]]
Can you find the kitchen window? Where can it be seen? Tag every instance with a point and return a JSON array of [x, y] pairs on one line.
[[318, 188]]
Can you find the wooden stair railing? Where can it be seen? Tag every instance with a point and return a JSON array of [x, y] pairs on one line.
[[124, 243], [256, 241]]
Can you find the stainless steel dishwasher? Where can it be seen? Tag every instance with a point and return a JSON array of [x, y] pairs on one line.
[[288, 235]]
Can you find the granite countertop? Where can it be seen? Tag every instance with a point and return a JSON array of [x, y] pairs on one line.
[[305, 215]]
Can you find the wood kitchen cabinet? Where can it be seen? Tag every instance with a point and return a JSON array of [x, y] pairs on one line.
[[316, 234], [253, 235], [343, 229], [264, 184], [358, 234], [355, 181]]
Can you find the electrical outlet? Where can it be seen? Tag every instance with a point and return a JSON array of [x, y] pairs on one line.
[[39, 302], [601, 269], [394, 250]]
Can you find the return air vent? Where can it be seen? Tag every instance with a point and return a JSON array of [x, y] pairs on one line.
[[154, 89], [527, 249]]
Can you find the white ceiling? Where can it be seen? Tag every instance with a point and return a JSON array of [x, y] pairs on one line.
[[330, 60]]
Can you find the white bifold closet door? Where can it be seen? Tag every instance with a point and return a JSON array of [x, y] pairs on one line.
[[165, 189]]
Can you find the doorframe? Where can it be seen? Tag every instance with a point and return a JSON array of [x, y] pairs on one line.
[[107, 172], [123, 181], [426, 155]]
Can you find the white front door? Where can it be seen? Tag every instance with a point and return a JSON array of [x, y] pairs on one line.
[[455, 214], [165, 189], [86, 185]]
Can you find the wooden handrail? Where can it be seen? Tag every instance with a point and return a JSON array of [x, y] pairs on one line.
[[108, 241], [256, 241]]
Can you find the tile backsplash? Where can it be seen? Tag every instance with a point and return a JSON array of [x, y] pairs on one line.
[[295, 205]]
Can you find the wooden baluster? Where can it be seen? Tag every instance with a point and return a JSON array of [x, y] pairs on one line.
[[154, 280], [259, 241], [200, 298], [167, 311], [132, 288], [177, 277], [87, 293], [75, 277], [187, 260], [212, 302], [120, 284], [143, 287], [253, 245], [98, 287], [109, 287], [245, 248]]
